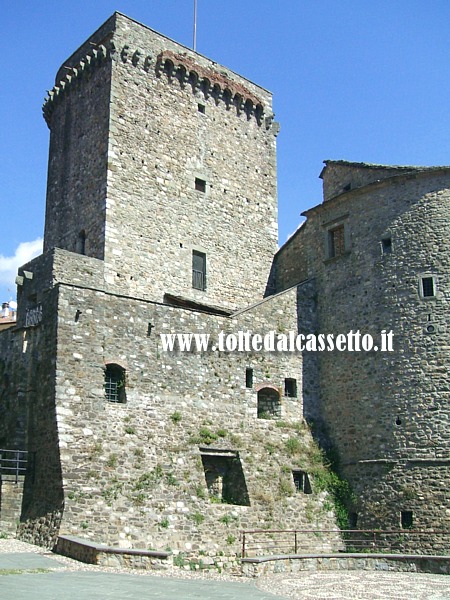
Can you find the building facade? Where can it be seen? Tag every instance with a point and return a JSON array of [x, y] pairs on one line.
[[376, 253], [161, 217]]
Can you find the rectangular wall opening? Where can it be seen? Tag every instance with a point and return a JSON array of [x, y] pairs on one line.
[[248, 377], [198, 270], [290, 387], [224, 476], [428, 287], [301, 482], [406, 519]]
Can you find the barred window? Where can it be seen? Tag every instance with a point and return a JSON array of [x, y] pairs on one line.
[[115, 384]]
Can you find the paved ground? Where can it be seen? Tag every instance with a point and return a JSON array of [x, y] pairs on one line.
[[30, 573], [32, 576], [360, 585]]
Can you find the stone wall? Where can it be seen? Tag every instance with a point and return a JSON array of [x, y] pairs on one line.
[[340, 176], [137, 474], [133, 130], [385, 413], [157, 152], [352, 562], [78, 118], [10, 505]]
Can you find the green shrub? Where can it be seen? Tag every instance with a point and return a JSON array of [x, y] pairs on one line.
[[176, 417], [207, 436], [198, 518], [293, 446], [112, 460], [179, 560]]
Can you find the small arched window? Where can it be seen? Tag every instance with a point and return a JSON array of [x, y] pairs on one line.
[[269, 404], [115, 384]]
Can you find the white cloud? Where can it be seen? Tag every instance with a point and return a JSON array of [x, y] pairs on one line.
[[23, 254]]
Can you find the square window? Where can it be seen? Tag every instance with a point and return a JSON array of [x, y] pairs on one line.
[[201, 108], [200, 185], [336, 241], [290, 388], [198, 270], [428, 287]]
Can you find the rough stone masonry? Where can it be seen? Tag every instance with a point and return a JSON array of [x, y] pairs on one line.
[[161, 217]]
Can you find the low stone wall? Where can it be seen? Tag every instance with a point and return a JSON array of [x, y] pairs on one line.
[[415, 563], [105, 556], [10, 505]]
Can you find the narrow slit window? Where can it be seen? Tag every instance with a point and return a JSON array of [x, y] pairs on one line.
[[248, 378], [353, 520], [200, 185], [81, 242], [198, 270], [428, 290]]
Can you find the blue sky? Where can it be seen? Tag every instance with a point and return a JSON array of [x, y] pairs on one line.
[[361, 80]]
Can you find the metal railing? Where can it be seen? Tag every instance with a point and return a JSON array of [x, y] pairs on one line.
[[307, 541], [13, 464]]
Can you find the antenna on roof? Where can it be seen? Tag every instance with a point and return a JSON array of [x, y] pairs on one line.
[[195, 26]]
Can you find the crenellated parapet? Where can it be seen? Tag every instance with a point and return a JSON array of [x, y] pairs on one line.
[[211, 83], [90, 61], [176, 66]]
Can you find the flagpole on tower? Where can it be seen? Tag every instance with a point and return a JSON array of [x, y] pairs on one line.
[[195, 26]]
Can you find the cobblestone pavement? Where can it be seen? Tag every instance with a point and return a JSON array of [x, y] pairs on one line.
[[31, 573], [359, 585]]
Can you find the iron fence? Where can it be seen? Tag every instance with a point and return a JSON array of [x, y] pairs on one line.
[[306, 541], [13, 464]]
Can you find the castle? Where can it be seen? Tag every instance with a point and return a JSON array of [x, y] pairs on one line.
[[161, 217]]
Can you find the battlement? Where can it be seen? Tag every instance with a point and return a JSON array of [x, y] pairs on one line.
[[214, 84], [93, 59]]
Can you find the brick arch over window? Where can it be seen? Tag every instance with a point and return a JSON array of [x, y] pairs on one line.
[[115, 383], [269, 402]]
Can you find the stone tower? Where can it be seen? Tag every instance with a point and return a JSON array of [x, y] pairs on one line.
[[162, 164], [160, 218], [377, 254]]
